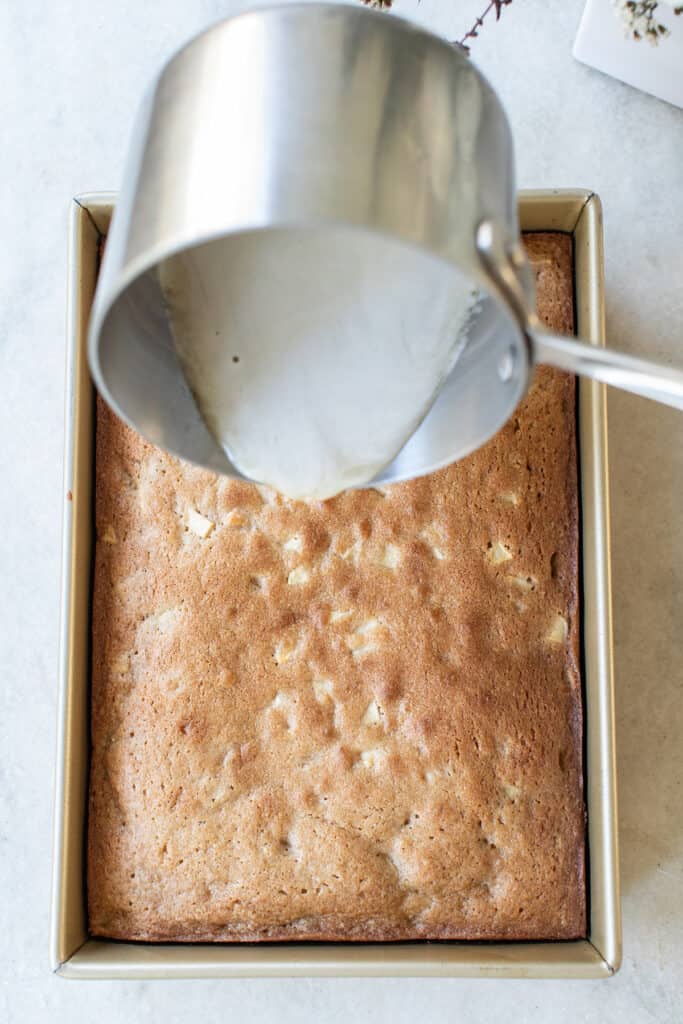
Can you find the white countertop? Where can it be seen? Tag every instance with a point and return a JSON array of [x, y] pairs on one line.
[[70, 75]]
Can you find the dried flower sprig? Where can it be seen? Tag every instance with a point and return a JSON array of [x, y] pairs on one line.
[[641, 21], [495, 5]]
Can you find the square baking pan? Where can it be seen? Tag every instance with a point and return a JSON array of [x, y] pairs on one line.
[[73, 953]]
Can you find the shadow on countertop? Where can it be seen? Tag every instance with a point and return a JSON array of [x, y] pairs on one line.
[[646, 475]]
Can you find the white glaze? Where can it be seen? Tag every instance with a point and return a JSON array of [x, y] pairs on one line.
[[313, 355]]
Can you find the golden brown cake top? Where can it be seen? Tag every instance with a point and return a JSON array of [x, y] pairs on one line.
[[352, 719]]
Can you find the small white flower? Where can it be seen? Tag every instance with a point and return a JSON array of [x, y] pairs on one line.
[[640, 20]]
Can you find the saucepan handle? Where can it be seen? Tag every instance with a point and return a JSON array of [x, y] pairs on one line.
[[640, 376]]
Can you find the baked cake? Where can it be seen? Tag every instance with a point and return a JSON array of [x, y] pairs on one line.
[[357, 719]]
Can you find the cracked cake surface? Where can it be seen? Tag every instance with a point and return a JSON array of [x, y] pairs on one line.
[[357, 719]]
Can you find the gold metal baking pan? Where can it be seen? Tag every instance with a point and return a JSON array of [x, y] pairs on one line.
[[73, 953]]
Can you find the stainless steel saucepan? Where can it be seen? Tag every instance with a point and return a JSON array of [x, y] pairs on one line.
[[316, 116]]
